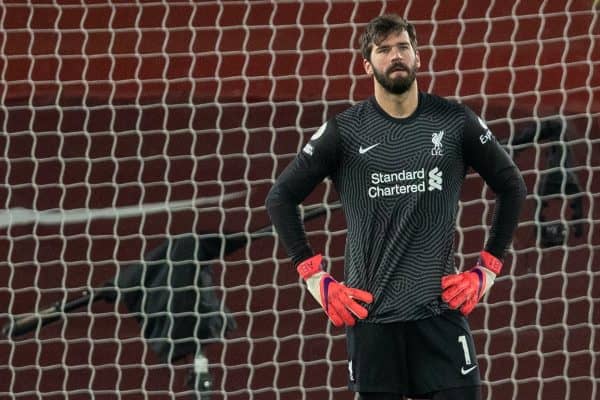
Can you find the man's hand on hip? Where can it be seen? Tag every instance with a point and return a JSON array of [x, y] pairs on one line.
[[338, 300], [464, 290]]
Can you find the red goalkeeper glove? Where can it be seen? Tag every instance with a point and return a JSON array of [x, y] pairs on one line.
[[464, 290], [338, 300]]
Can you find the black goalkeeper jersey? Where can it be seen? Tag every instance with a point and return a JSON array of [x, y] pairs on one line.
[[399, 182]]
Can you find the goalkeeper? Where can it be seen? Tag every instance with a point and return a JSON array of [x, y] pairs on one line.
[[398, 161]]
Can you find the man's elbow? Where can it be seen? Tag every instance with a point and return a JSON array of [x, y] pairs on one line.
[[277, 198], [518, 193], [521, 189], [272, 199], [510, 185]]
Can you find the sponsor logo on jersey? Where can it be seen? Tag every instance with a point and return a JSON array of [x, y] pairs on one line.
[[436, 139], [404, 182], [309, 148], [487, 136], [435, 179]]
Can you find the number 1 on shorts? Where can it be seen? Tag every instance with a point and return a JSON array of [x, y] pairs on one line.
[[462, 339]]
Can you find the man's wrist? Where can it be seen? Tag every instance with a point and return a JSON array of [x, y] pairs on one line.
[[310, 266], [489, 261]]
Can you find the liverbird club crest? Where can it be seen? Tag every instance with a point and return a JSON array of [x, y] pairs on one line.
[[436, 139]]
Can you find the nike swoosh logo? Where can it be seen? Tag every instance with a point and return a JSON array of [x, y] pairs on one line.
[[466, 371], [362, 150]]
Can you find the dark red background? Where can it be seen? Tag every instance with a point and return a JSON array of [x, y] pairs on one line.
[[116, 105]]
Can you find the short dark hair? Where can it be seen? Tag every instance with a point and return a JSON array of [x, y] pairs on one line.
[[380, 27]]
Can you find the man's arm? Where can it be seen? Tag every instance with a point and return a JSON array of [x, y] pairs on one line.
[[317, 160], [482, 152]]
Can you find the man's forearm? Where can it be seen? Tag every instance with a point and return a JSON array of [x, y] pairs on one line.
[[285, 216], [509, 200]]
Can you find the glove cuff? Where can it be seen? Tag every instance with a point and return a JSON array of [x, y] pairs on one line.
[[310, 266], [487, 260], [486, 279]]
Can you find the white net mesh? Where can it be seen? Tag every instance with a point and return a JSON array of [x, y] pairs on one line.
[[128, 124]]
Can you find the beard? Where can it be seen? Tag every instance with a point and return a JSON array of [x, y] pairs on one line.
[[397, 85]]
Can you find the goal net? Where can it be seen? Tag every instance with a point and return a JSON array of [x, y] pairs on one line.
[[132, 129]]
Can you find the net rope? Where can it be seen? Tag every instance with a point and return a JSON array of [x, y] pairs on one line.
[[129, 123]]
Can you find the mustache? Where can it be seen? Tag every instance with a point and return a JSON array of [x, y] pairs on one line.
[[397, 67]]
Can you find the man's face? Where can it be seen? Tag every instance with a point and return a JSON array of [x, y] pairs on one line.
[[394, 63]]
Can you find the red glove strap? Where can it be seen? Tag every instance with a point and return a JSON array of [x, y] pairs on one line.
[[490, 262], [310, 266]]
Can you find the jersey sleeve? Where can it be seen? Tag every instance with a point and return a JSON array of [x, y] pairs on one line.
[[485, 155], [317, 160]]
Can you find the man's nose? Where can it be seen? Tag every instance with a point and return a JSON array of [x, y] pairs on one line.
[[396, 54]]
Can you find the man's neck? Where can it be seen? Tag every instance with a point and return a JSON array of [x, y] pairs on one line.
[[398, 105]]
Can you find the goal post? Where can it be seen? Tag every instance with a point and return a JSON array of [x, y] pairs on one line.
[[128, 124]]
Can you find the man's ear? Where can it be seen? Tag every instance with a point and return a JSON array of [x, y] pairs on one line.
[[368, 67], [418, 58]]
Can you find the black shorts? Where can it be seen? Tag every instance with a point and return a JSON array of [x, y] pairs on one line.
[[412, 357]]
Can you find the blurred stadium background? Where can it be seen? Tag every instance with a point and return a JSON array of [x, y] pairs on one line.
[[132, 104]]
